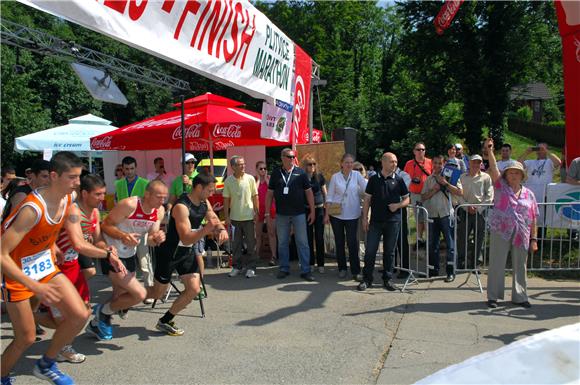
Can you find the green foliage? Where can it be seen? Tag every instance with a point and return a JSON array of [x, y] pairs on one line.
[[524, 113], [556, 123]]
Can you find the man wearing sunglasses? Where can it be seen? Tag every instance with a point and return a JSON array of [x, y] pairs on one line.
[[290, 187], [419, 168]]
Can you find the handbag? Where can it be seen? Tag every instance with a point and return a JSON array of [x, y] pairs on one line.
[[335, 209]]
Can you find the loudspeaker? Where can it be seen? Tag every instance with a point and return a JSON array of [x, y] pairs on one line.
[[348, 134]]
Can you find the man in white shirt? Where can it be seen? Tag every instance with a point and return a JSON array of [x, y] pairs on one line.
[[506, 156], [541, 170], [160, 173]]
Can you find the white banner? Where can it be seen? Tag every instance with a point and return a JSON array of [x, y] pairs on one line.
[[564, 213], [276, 123], [228, 41]]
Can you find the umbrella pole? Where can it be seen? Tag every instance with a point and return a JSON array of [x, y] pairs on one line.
[[211, 156], [183, 140], [90, 163]]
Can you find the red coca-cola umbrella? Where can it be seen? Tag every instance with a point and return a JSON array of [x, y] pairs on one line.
[[212, 123]]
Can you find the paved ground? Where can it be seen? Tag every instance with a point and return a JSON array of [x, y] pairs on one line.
[[270, 331]]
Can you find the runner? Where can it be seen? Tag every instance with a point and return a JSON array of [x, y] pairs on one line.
[[79, 233], [28, 265], [185, 237], [123, 228]]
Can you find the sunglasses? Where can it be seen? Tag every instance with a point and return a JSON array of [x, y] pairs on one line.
[[190, 162], [311, 164], [419, 149], [290, 156], [358, 169], [262, 169]]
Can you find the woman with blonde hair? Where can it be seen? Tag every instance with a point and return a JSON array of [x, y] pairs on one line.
[[343, 210], [358, 166], [316, 229]]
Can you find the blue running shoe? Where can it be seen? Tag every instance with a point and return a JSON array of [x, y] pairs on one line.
[[103, 322], [7, 380], [52, 374], [93, 330]]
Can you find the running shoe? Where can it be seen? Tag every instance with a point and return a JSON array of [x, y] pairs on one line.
[[103, 322], [52, 374], [93, 329], [170, 328], [8, 380], [250, 273], [234, 272], [69, 354]]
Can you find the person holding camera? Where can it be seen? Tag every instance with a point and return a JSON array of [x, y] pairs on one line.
[[540, 171], [419, 168], [512, 231], [437, 198], [160, 173]]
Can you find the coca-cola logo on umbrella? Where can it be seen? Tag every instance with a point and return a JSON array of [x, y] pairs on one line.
[[101, 143], [191, 132], [231, 131], [223, 145]]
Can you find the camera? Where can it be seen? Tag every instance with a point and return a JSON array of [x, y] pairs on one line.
[[416, 180]]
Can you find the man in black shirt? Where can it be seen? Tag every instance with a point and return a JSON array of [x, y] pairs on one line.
[[290, 187], [386, 194]]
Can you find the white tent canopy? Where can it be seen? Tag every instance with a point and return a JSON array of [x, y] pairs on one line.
[[74, 136]]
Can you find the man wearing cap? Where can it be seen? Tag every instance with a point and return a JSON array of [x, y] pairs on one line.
[[177, 186], [540, 171], [419, 168], [477, 189]]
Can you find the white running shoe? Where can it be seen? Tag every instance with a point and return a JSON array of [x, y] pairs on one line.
[[250, 273], [69, 354], [234, 272]]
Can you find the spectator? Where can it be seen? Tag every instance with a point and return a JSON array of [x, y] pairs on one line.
[[403, 246], [316, 229], [240, 209], [484, 157], [264, 215], [386, 193], [506, 156], [371, 171], [160, 173], [452, 156], [512, 231], [132, 184], [539, 171], [437, 200], [419, 168], [573, 176], [358, 166], [345, 189], [119, 172], [177, 186], [459, 154], [477, 189], [290, 187]]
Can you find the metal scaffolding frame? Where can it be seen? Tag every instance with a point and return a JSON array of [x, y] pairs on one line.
[[43, 43]]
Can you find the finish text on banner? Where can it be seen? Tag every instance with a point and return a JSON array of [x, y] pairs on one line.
[[229, 41]]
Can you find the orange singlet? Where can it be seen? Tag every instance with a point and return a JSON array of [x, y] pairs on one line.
[[35, 252]]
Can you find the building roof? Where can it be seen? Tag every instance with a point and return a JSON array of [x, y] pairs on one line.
[[530, 91]]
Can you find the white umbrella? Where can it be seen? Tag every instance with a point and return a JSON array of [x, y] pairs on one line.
[[74, 136]]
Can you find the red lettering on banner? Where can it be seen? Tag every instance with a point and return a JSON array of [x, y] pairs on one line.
[[227, 54], [117, 5], [192, 6], [216, 21], [104, 142], [191, 132], [168, 5], [135, 11], [231, 131]]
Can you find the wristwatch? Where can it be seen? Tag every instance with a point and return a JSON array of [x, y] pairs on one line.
[[109, 254]]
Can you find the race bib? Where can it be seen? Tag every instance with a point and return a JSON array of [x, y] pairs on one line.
[[70, 255], [39, 265]]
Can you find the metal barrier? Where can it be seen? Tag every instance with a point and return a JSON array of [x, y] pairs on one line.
[[558, 241]]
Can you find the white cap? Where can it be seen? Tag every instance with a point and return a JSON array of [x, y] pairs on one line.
[[189, 157], [458, 146]]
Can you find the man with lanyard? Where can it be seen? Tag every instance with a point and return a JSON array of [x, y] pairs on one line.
[[130, 220], [186, 179], [240, 209], [81, 234], [29, 269], [386, 194], [419, 168], [289, 185], [185, 236]]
